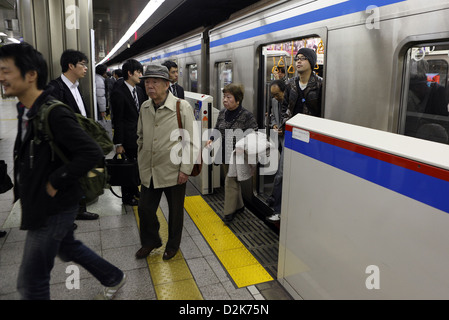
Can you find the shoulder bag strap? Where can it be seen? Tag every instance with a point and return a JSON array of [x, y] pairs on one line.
[[178, 113]]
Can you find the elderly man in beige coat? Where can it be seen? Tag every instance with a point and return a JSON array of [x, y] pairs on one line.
[[164, 162]]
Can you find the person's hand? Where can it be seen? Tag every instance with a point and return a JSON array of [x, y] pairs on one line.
[[182, 177], [209, 143], [50, 190], [120, 149]]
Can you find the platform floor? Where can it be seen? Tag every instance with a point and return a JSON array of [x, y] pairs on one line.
[[198, 272]]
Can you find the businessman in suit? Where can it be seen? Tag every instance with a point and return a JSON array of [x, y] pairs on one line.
[[126, 100], [74, 66], [175, 88]]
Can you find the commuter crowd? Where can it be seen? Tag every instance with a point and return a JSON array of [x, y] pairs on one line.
[[143, 109]]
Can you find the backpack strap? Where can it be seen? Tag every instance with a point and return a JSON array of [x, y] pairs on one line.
[[43, 127]]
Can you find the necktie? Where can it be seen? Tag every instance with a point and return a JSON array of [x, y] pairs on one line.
[[173, 90], [135, 99]]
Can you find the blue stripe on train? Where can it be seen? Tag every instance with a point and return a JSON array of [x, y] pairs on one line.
[[334, 11], [337, 10], [418, 186]]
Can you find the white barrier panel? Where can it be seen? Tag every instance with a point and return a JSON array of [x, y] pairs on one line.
[[206, 116], [364, 213]]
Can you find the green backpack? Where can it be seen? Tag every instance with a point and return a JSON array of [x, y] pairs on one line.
[[95, 181]]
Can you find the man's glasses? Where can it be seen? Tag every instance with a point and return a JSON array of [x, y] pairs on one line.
[[300, 58], [83, 64]]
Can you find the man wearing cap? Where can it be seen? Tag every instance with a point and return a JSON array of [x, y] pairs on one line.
[[302, 95], [160, 166]]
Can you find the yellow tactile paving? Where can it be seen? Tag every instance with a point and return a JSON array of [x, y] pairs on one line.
[[180, 290], [244, 269], [172, 279]]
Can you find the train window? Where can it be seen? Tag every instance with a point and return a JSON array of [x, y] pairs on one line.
[[426, 93], [224, 72], [278, 63], [192, 79]]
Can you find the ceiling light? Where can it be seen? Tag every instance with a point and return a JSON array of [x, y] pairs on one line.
[[150, 8], [2, 34]]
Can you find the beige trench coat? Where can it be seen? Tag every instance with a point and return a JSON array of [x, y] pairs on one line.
[[161, 155]]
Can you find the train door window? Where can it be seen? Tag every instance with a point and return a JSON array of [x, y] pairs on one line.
[[278, 63], [224, 73], [192, 79], [425, 103]]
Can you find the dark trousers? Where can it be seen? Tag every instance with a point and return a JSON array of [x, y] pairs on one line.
[[128, 192], [277, 185], [56, 238], [149, 224]]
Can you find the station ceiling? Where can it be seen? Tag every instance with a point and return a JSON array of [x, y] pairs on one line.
[[112, 18]]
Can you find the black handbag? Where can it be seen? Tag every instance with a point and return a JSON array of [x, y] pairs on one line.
[[123, 171], [5, 180]]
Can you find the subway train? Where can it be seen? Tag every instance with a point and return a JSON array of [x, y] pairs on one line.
[[370, 54]]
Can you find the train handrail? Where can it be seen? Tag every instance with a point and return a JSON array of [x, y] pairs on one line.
[[320, 48], [291, 68], [281, 62]]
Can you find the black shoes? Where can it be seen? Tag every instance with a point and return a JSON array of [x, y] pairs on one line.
[[87, 216], [229, 217], [169, 253], [131, 202]]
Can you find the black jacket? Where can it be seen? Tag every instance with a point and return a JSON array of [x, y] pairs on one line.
[[34, 166], [125, 115], [63, 93], [179, 91], [307, 101]]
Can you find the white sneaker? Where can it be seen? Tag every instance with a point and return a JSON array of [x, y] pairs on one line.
[[109, 292], [274, 218]]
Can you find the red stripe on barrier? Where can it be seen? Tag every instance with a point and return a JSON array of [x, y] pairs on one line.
[[420, 167]]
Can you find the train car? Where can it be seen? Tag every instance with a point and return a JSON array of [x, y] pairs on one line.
[[368, 52], [384, 64]]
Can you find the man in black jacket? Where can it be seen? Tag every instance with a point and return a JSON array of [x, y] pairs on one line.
[[65, 89], [302, 95], [126, 100], [175, 88], [48, 189]]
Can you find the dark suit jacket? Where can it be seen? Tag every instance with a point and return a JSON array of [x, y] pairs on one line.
[[179, 91], [63, 93], [125, 115]]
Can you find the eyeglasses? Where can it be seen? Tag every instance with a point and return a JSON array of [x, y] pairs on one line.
[[300, 58], [83, 64]]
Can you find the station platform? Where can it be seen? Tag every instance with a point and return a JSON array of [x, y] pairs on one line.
[[215, 262]]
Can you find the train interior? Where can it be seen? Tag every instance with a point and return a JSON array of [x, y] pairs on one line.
[[426, 102]]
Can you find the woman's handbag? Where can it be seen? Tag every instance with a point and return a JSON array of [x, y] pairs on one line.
[[197, 166], [123, 171], [5, 180]]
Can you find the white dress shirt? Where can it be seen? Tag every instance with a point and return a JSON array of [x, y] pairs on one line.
[[75, 92], [130, 87]]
